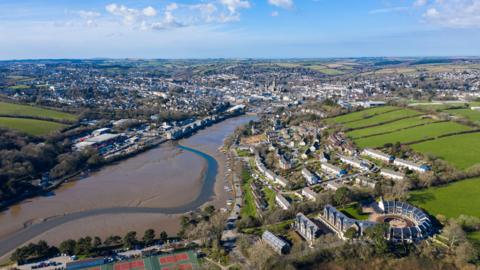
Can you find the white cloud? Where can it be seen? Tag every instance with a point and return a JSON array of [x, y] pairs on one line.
[[149, 11], [234, 5], [129, 15], [454, 13], [420, 3], [282, 3]]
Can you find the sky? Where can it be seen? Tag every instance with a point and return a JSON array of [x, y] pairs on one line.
[[39, 29]]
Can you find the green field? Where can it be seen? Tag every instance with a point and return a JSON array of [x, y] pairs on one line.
[[25, 110], [412, 134], [361, 114], [460, 151], [352, 212], [467, 113], [382, 118], [452, 200], [30, 126], [400, 124], [249, 209]]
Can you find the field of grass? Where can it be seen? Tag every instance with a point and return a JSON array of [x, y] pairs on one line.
[[249, 209], [30, 126], [25, 110], [467, 113], [352, 212], [400, 124], [460, 151], [270, 197], [452, 200], [361, 114], [381, 118], [412, 134]]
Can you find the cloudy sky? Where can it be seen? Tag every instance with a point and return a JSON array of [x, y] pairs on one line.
[[238, 28]]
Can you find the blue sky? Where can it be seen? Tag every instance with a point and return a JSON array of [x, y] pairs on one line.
[[238, 28]]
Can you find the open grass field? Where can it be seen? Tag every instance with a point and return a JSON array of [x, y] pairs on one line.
[[467, 113], [25, 110], [412, 134], [400, 124], [460, 150], [30, 126], [355, 116], [382, 118], [249, 209], [352, 212], [452, 200]]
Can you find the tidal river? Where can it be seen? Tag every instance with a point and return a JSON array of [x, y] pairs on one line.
[[150, 190]]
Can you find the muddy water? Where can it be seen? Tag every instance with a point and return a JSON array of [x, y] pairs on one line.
[[146, 191]]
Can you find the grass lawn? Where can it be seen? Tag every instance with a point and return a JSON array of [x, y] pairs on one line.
[[361, 114], [412, 134], [352, 212], [467, 113], [460, 151], [26, 110], [381, 118], [249, 209], [400, 124], [270, 197], [452, 200], [30, 126]]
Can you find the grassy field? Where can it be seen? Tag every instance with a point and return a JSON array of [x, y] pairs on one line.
[[460, 151], [30, 126], [270, 197], [412, 134], [355, 116], [249, 209], [400, 124], [352, 212], [381, 118], [467, 113], [452, 200], [25, 110]]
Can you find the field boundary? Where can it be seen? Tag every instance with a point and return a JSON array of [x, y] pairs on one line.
[[384, 123], [395, 130], [444, 136], [65, 122], [368, 117]]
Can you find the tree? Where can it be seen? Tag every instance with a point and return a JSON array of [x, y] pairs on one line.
[[163, 236], [209, 210], [97, 242], [130, 239], [377, 235], [113, 240], [454, 233], [342, 195], [351, 233], [149, 237], [68, 246]]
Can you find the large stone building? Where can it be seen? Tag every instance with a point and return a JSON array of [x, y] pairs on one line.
[[306, 228]]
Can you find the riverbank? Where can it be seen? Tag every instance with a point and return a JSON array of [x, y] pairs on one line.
[[148, 191]]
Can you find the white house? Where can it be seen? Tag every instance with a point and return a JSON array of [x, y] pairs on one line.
[[282, 202], [377, 155], [309, 193], [311, 178], [392, 174], [411, 165]]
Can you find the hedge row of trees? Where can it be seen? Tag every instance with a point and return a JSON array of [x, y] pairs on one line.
[[87, 246]]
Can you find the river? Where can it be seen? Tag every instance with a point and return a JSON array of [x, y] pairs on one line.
[[150, 190]]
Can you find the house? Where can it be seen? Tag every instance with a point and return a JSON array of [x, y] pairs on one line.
[[392, 174], [332, 169], [411, 165], [365, 182], [282, 202], [311, 178], [355, 162], [283, 163], [334, 185], [277, 244], [309, 194], [369, 152], [306, 228]]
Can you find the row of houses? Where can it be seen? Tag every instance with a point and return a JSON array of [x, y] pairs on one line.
[[332, 169], [310, 177], [379, 155], [267, 173]]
